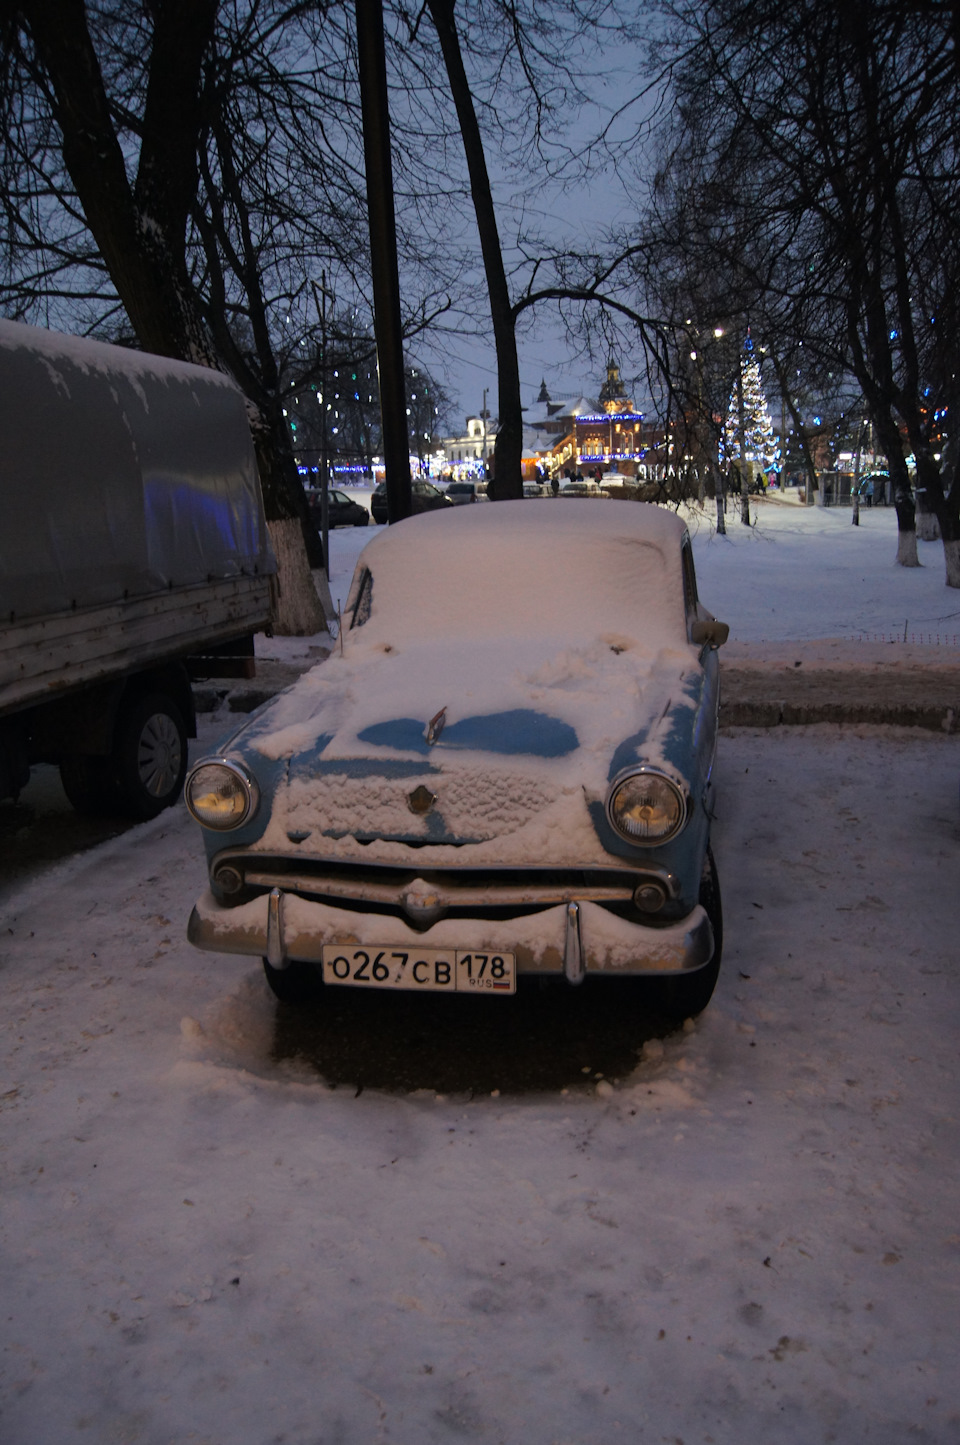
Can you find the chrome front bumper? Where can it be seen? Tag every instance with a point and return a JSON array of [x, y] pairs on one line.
[[574, 939]]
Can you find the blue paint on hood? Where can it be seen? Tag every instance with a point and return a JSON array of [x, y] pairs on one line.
[[520, 730]]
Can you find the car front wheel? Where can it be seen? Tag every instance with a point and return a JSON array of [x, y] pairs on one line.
[[298, 983], [683, 996]]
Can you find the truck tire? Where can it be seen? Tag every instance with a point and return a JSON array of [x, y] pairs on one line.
[[89, 785], [149, 755]]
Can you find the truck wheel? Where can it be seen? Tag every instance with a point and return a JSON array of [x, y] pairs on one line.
[[89, 785], [683, 996], [149, 755]]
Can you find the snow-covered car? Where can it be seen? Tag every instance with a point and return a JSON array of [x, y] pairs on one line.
[[505, 773]]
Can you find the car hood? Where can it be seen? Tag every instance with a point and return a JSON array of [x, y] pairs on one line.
[[494, 746]]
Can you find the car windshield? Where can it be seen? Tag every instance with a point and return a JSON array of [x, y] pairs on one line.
[[509, 579]]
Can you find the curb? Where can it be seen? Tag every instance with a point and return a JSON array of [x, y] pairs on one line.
[[934, 717]]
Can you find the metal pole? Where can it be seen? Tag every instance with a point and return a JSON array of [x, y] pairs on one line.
[[483, 417], [383, 255], [324, 468]]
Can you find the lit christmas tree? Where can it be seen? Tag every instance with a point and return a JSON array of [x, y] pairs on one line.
[[759, 445]]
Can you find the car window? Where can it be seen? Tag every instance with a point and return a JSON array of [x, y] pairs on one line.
[[340, 497], [364, 602], [689, 580], [634, 586]]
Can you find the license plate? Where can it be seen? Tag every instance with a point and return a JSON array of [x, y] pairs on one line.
[[428, 969]]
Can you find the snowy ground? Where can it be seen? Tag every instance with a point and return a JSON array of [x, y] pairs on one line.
[[749, 1235]]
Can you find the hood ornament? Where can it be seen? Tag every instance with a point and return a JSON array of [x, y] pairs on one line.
[[434, 727], [422, 903], [421, 800]]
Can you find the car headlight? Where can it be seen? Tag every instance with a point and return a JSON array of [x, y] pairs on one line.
[[646, 807], [221, 794]]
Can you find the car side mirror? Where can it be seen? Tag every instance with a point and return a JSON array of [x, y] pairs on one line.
[[713, 632]]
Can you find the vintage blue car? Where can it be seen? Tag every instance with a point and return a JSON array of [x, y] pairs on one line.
[[503, 770]]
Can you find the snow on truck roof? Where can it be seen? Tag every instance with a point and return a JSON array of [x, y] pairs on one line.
[[125, 474], [93, 356], [508, 569]]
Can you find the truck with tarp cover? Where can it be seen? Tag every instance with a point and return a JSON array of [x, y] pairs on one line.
[[134, 557]]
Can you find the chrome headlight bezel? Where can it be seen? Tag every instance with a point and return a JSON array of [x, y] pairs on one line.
[[242, 775], [675, 785]]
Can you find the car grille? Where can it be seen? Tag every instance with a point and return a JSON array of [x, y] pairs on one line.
[[420, 898]]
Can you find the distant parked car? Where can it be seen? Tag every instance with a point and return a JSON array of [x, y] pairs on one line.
[[460, 492], [342, 511], [426, 498], [586, 488], [502, 775]]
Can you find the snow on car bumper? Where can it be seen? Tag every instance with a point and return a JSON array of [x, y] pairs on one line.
[[571, 939]]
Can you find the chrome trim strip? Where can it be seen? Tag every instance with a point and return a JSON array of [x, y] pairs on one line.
[[370, 891], [573, 967], [454, 888], [276, 944]]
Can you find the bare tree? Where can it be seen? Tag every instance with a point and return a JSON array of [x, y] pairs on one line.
[[144, 146], [817, 145], [516, 71]]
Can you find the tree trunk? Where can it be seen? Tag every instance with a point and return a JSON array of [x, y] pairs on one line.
[[929, 493], [906, 515], [383, 258], [721, 521], [949, 513], [951, 556], [928, 527], [294, 601], [296, 608], [507, 479]]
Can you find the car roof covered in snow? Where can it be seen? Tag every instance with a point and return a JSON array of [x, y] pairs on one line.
[[505, 570]]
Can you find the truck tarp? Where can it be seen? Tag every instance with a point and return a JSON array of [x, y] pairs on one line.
[[121, 475]]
